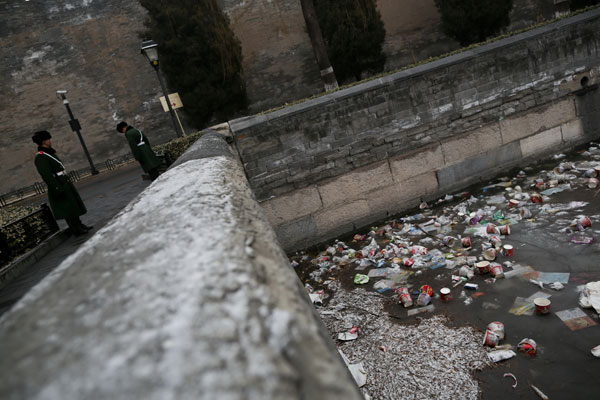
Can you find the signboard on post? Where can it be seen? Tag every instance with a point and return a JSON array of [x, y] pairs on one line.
[[175, 104], [174, 99]]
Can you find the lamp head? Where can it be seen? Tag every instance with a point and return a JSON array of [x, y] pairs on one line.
[[149, 49]]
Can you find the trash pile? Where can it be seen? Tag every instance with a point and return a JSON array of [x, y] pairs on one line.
[[393, 361], [452, 251]]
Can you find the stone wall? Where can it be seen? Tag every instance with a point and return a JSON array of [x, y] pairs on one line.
[[91, 49], [279, 63], [185, 294], [337, 162]]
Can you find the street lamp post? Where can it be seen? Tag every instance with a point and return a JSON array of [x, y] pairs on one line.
[[76, 127], [149, 49]]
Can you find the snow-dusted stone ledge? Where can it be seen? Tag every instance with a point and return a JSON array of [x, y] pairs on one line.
[[185, 294]]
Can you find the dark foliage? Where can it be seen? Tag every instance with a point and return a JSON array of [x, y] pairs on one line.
[[473, 21], [578, 4], [353, 32], [199, 55]]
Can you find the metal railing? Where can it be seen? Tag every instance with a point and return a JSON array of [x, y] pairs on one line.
[[24, 234], [40, 187]]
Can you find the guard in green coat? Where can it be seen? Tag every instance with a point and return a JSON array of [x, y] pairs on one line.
[[64, 200], [140, 147]]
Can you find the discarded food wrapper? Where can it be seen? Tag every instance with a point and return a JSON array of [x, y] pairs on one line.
[[528, 346], [581, 239], [592, 290], [316, 298], [596, 351], [427, 289], [497, 328], [418, 250], [499, 355], [575, 319], [471, 286], [509, 375], [491, 339], [557, 286], [466, 272], [350, 335], [420, 310], [423, 299], [361, 279]]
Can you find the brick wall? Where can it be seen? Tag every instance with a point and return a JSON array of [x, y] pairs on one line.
[[91, 49], [466, 115]]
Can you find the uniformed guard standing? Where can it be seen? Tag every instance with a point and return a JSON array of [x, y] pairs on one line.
[[140, 147], [64, 200]]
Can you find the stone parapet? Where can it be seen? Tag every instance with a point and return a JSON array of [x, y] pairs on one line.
[[186, 294]]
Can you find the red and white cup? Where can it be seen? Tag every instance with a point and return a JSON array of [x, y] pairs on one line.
[[513, 203], [592, 183], [542, 305], [508, 250], [504, 230], [496, 270], [445, 294], [466, 242], [483, 267], [491, 229], [584, 221], [404, 297], [497, 328]]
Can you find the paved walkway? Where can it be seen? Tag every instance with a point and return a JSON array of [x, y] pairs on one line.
[[104, 195]]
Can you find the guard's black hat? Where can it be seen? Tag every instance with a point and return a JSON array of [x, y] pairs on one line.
[[121, 125], [40, 136]]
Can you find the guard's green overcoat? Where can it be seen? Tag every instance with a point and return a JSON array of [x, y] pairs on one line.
[[142, 152], [62, 195]]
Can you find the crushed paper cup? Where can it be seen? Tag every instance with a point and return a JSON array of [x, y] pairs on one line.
[[352, 334], [528, 346], [491, 339], [596, 351]]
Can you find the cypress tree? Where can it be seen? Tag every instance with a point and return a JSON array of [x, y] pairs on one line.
[[577, 4], [199, 55], [354, 33], [473, 21]]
